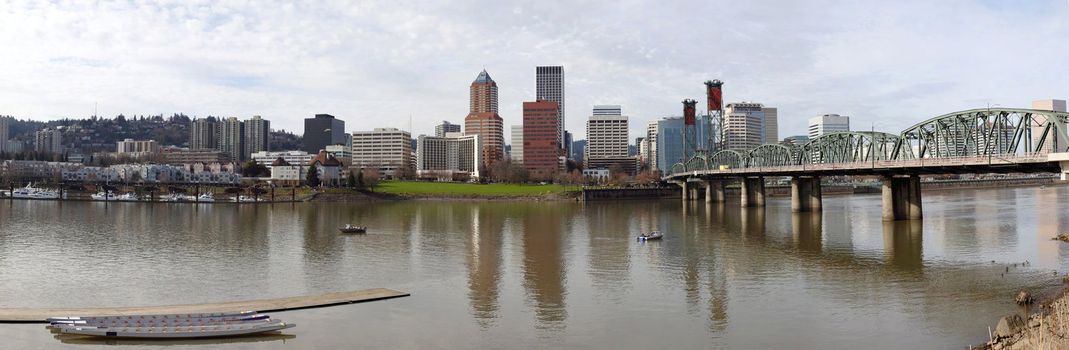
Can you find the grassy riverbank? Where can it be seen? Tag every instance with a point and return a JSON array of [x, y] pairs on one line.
[[467, 190]]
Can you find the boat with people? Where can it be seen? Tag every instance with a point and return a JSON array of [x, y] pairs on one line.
[[197, 325], [350, 228], [650, 236]]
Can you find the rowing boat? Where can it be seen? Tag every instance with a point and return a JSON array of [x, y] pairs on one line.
[[195, 331]]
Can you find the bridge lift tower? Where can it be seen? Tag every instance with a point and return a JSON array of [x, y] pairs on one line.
[[714, 118], [691, 147]]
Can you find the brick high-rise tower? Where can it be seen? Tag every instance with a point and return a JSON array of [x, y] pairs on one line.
[[483, 119]]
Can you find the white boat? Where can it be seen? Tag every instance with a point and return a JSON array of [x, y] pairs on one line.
[[159, 320], [30, 192], [247, 199], [127, 197], [650, 236], [102, 196], [182, 331], [176, 197], [205, 197]]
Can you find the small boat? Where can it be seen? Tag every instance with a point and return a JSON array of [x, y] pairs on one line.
[[102, 196], [127, 197], [179, 331], [650, 236], [158, 320], [30, 192], [206, 197], [349, 228], [247, 199]]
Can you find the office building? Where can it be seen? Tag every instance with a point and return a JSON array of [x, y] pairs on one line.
[[483, 119], [232, 138], [1037, 131], [257, 136], [516, 152], [796, 140], [136, 147], [606, 136], [266, 158], [578, 150], [323, 130], [828, 123], [549, 86], [651, 150], [452, 157], [607, 110], [5, 132], [204, 134], [387, 149], [49, 141], [541, 144], [444, 128], [748, 125], [342, 153]]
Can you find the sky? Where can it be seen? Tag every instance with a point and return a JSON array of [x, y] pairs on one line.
[[408, 64]]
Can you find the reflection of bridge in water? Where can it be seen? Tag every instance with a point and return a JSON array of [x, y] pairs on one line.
[[1000, 140]]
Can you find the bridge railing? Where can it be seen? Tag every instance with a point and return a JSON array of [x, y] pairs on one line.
[[1008, 159]]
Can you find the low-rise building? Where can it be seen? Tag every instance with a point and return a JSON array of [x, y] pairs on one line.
[[136, 147], [328, 168], [190, 157], [284, 173]]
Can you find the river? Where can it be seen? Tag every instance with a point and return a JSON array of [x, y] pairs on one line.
[[524, 274]]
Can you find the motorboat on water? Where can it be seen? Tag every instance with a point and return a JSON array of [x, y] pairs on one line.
[[206, 197], [102, 196], [177, 197], [30, 192], [650, 236], [170, 326], [248, 199], [127, 197], [349, 228]]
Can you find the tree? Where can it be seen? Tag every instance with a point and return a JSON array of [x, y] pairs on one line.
[[351, 180], [313, 176], [371, 177], [360, 179], [253, 169]]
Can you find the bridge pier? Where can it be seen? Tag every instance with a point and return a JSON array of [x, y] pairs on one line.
[[753, 192], [714, 191], [686, 190], [902, 198], [805, 194]]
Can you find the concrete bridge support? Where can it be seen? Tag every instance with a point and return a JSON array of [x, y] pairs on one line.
[[753, 192], [686, 190], [714, 191], [805, 194], [902, 198]]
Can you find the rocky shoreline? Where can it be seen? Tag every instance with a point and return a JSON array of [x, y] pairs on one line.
[[1048, 329]]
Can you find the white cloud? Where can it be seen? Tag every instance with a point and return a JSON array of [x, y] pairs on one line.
[[376, 63]]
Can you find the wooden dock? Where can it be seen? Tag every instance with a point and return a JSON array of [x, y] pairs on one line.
[[38, 315]]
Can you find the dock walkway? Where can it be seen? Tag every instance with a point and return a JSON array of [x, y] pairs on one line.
[[38, 315]]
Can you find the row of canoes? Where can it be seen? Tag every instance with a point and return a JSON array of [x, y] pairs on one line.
[[196, 325]]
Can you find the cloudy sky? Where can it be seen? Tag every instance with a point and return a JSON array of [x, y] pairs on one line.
[[376, 64]]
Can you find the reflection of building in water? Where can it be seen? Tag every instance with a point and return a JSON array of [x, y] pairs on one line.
[[808, 229], [902, 243], [484, 263], [543, 265], [609, 257]]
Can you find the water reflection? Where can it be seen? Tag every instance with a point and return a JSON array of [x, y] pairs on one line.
[[808, 230], [543, 265], [484, 262], [902, 242]]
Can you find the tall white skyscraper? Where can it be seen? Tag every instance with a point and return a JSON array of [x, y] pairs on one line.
[[549, 86], [828, 123], [651, 138], [517, 144], [606, 136]]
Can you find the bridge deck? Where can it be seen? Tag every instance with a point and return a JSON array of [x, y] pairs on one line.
[[994, 164], [38, 315]]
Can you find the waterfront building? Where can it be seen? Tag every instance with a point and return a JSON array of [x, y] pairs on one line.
[[516, 150], [35, 170], [453, 157], [607, 136], [5, 132], [231, 138], [748, 125], [266, 158], [342, 153], [549, 86], [643, 152], [651, 149], [541, 145], [284, 173], [257, 136], [328, 168], [626, 164], [1037, 130], [179, 156], [669, 143], [444, 128], [203, 134], [828, 123], [49, 141], [386, 149], [483, 119], [137, 147], [323, 130]]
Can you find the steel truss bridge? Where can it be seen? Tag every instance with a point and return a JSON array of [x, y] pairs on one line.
[[995, 140]]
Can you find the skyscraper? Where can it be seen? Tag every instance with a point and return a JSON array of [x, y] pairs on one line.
[[651, 138], [5, 132], [549, 86], [232, 138], [516, 153], [257, 136], [541, 147], [748, 125], [828, 123], [606, 137], [483, 119], [49, 141], [321, 131], [203, 134], [444, 128]]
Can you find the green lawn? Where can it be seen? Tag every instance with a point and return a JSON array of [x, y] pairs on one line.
[[450, 189]]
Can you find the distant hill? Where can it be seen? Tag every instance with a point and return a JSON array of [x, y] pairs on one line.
[[100, 134]]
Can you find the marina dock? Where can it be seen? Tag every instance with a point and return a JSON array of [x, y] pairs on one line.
[[38, 315]]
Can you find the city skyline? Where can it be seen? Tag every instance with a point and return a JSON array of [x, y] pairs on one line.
[[810, 65]]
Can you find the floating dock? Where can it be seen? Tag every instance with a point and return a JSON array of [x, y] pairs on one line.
[[38, 315]]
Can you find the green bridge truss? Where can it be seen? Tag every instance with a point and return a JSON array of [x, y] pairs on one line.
[[974, 132]]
